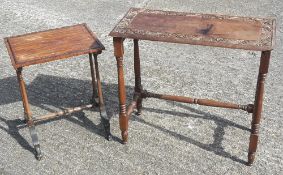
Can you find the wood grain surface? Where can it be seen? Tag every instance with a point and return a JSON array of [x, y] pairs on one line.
[[235, 32], [50, 45]]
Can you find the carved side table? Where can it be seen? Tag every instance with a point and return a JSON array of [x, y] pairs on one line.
[[247, 33], [51, 45]]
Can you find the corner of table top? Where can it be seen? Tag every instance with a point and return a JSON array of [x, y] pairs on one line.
[[10, 52], [93, 34]]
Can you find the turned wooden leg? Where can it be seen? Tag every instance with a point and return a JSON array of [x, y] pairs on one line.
[[94, 99], [28, 114], [103, 114], [123, 118], [137, 67], [263, 69]]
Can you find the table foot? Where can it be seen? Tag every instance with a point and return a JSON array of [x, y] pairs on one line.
[[38, 154], [35, 142], [106, 124], [124, 137], [139, 106], [251, 158]]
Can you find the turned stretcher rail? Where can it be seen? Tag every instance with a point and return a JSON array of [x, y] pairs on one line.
[[205, 102], [53, 115], [66, 111]]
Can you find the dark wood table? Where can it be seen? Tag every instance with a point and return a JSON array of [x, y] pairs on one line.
[[55, 44], [247, 33]]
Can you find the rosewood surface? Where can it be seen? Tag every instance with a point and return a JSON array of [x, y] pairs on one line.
[[54, 44], [198, 29]]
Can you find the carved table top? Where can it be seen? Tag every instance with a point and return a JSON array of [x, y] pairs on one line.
[[197, 29], [49, 45]]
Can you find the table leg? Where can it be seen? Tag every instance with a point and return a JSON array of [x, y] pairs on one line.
[[263, 70], [123, 118], [137, 67], [28, 114], [103, 114], [94, 99]]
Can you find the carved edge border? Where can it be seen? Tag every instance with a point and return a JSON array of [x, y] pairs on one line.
[[267, 31]]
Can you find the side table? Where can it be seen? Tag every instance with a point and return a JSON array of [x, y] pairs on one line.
[[45, 46], [247, 33]]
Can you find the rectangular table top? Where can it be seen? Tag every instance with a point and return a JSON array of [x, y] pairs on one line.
[[50, 45], [197, 29]]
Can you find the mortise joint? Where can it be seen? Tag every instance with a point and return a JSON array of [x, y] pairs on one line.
[[30, 122], [249, 108]]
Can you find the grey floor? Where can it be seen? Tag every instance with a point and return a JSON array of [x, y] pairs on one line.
[[169, 138]]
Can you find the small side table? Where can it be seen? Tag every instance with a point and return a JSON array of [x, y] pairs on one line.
[[51, 45], [197, 29]]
